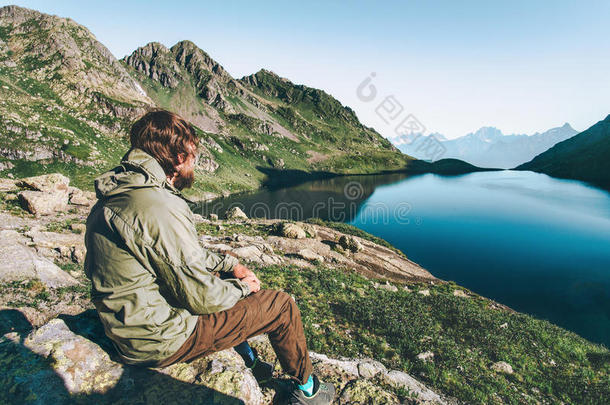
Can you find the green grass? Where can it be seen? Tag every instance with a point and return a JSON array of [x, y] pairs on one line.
[[64, 226], [250, 229], [345, 316]]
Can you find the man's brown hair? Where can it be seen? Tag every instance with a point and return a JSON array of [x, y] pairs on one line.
[[164, 135]]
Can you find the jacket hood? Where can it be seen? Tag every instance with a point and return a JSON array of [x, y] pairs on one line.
[[137, 170]]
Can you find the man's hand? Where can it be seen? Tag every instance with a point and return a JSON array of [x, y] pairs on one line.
[[247, 276], [240, 271], [253, 283]]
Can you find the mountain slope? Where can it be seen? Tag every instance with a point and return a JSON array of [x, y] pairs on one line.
[[258, 122], [489, 147], [585, 157], [67, 105], [65, 100]]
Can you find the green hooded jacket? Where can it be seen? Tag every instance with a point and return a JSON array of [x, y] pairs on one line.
[[150, 277]]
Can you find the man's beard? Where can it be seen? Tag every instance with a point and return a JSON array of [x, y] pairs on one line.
[[184, 179]]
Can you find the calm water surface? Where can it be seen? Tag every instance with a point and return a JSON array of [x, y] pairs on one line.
[[537, 244]]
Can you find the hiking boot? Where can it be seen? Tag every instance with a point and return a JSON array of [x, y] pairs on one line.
[[262, 371], [323, 394]]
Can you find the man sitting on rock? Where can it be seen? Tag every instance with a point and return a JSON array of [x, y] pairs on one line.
[[153, 284]]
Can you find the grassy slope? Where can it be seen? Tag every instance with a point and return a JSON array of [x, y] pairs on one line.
[[345, 316], [38, 103], [33, 106]]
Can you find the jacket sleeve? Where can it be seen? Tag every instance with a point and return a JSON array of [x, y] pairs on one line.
[[170, 245]]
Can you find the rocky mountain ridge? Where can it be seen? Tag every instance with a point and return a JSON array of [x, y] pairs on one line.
[[67, 105]]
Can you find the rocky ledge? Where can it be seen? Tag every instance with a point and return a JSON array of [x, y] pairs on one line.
[[53, 348]]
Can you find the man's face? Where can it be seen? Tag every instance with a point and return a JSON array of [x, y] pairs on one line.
[[186, 171]]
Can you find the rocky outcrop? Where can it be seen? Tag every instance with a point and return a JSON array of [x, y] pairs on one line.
[[40, 203], [70, 358], [31, 246], [318, 244], [51, 193], [185, 61]]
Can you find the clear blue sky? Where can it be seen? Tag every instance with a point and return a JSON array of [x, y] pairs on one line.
[[521, 66]]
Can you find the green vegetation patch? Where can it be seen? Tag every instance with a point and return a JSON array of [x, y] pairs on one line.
[[344, 315]]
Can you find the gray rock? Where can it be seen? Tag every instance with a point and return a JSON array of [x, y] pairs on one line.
[[80, 197], [6, 166], [389, 287], [235, 213], [255, 253], [8, 185], [502, 367], [365, 392], [348, 366], [19, 262], [42, 203], [403, 380], [70, 246], [208, 164], [310, 230], [425, 357], [78, 228], [310, 255], [55, 363], [371, 368]]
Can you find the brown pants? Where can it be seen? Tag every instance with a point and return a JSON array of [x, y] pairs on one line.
[[267, 311]]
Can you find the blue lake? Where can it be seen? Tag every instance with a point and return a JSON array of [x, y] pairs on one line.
[[537, 244]]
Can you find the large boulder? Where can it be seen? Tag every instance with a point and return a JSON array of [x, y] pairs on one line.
[[41, 203]]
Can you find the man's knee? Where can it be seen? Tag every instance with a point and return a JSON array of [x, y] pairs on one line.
[[284, 303]]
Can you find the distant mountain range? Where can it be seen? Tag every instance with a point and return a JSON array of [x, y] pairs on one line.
[[487, 147], [585, 157]]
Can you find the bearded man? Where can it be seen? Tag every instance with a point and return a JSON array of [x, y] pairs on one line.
[[156, 289]]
